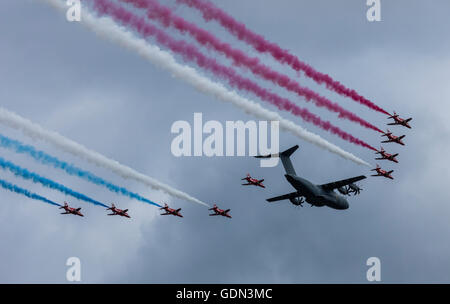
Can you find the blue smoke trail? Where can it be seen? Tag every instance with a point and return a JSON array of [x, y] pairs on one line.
[[24, 173], [16, 189], [47, 159]]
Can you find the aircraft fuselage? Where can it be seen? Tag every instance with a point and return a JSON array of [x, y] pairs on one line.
[[316, 195]]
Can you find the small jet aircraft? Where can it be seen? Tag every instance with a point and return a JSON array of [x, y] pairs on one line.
[[349, 189], [253, 181], [316, 195], [220, 212], [69, 210], [117, 211], [387, 156], [381, 172], [170, 211], [393, 139], [399, 121]]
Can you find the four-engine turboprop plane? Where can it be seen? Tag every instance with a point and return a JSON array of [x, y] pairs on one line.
[[253, 181], [117, 211], [393, 139], [316, 195], [387, 156], [70, 210], [220, 212], [399, 121]]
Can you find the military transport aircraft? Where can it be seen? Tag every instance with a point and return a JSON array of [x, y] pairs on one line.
[[316, 195], [399, 121], [387, 156], [381, 172], [220, 212], [69, 210], [393, 139], [253, 181], [117, 211], [171, 211]]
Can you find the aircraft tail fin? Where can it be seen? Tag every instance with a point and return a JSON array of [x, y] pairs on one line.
[[285, 159]]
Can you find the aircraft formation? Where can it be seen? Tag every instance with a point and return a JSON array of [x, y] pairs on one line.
[[391, 138], [123, 20], [166, 208], [305, 191]]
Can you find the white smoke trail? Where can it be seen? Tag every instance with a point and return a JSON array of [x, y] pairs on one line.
[[35, 131], [107, 28]]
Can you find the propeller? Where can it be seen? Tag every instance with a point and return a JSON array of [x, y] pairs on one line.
[[357, 191], [297, 201]]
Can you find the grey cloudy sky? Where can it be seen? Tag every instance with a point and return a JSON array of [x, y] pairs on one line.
[[67, 79]]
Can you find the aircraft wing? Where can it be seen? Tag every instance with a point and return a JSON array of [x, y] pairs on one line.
[[341, 183], [283, 197]]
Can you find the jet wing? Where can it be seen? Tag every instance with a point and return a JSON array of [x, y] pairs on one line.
[[341, 183], [283, 197]]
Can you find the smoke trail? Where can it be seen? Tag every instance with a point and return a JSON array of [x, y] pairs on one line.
[[167, 18], [260, 44], [190, 52], [108, 29], [47, 159], [35, 131], [16, 189], [35, 178]]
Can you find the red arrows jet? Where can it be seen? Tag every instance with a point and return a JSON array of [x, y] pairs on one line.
[[69, 210], [381, 172], [393, 138], [399, 121], [170, 211], [220, 212], [117, 211], [253, 181], [387, 156]]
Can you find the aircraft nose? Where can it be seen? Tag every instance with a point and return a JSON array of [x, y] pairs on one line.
[[343, 204]]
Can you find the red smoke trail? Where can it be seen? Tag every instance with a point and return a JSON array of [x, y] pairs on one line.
[[167, 18], [191, 53], [259, 43]]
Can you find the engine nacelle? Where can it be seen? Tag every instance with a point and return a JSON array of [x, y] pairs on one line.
[[297, 201]]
